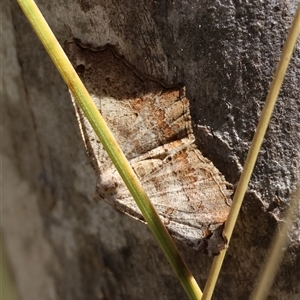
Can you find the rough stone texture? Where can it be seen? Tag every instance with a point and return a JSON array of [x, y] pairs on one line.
[[63, 245]]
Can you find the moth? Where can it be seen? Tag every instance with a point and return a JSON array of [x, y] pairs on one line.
[[152, 124]]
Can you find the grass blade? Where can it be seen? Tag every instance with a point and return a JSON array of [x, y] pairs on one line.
[[254, 149], [84, 100], [267, 275]]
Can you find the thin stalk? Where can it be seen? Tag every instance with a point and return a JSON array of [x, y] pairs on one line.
[[280, 240], [254, 149], [84, 100]]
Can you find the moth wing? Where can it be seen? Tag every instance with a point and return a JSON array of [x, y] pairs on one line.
[[186, 189]]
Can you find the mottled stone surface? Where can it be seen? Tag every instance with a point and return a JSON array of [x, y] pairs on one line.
[[64, 245]]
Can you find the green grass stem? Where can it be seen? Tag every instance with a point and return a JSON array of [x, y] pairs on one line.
[[84, 100]]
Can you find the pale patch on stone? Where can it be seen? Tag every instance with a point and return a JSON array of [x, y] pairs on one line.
[[152, 124]]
